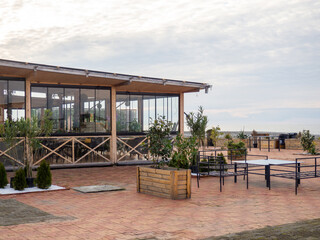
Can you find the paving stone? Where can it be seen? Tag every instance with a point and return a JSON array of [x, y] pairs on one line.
[[97, 188]]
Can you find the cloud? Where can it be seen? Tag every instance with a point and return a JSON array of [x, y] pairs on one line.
[[258, 55]]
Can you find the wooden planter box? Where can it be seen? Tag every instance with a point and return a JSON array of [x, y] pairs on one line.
[[167, 183]]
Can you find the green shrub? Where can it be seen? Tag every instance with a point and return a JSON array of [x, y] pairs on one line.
[[236, 150], [44, 177], [19, 181], [160, 145], [185, 152], [3, 176]]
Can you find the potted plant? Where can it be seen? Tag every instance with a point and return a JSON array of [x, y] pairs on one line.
[[236, 151], [159, 179]]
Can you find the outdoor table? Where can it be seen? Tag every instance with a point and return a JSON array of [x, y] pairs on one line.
[[267, 163]]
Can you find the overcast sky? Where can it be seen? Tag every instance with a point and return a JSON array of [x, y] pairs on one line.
[[262, 57]]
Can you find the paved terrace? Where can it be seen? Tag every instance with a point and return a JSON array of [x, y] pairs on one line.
[[129, 215]]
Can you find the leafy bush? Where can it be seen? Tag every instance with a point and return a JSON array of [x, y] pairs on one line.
[[307, 142], [228, 136], [3, 176], [160, 145], [44, 177], [236, 150], [219, 160], [19, 181], [185, 152]]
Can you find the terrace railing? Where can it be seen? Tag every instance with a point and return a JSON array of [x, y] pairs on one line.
[[59, 150]]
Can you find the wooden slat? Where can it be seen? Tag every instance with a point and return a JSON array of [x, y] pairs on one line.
[[157, 180]]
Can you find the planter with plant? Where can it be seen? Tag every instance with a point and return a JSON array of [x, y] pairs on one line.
[[159, 179]]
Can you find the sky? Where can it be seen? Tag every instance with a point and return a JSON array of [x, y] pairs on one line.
[[261, 57]]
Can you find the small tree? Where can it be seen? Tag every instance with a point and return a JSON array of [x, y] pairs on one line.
[[215, 133], [44, 177], [3, 176], [30, 130], [307, 142], [197, 124], [160, 145]]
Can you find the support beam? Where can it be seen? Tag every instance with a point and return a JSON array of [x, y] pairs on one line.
[[181, 113], [28, 99], [113, 140]]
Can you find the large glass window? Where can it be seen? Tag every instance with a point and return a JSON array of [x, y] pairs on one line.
[[12, 99], [74, 110], [136, 112]]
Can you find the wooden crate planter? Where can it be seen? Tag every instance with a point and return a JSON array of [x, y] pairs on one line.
[[167, 183]]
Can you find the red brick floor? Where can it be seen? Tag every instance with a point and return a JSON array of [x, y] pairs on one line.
[[131, 215]]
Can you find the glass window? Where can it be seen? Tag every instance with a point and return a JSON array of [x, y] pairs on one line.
[[72, 110], [38, 102], [85, 110], [102, 110], [12, 99], [122, 112], [56, 105], [136, 112]]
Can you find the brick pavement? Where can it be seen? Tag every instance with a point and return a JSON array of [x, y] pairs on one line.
[[130, 215]]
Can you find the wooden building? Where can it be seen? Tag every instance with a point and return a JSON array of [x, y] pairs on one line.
[[99, 117]]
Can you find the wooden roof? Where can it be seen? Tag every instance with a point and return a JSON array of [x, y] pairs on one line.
[[47, 74]]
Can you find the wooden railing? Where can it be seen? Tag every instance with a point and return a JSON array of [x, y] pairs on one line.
[[63, 149]]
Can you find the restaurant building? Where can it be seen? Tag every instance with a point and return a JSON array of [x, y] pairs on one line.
[[98, 117]]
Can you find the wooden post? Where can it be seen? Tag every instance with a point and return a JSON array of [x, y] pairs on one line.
[[138, 179], [28, 99], [181, 113], [113, 140], [189, 183]]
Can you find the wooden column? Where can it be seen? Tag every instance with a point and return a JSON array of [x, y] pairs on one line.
[[28, 99], [181, 113], [113, 140]]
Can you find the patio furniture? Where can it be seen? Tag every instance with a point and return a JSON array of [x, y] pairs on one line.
[[301, 168], [217, 167], [256, 166]]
